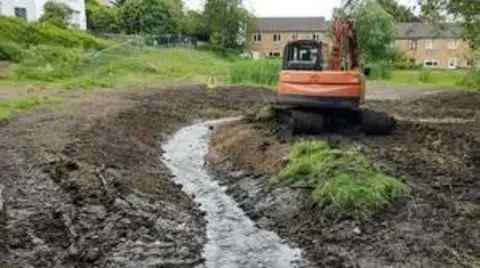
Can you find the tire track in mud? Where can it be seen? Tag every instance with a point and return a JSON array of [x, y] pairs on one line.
[[233, 239]]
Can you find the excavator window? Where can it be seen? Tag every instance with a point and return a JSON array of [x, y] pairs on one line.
[[303, 55]]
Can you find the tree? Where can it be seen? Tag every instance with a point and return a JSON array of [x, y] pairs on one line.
[[376, 30], [194, 24], [228, 23], [118, 3], [56, 13], [400, 12], [151, 16], [101, 18], [466, 12]]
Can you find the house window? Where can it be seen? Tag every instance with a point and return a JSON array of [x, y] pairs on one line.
[[257, 37], [453, 44], [430, 44], [316, 36], [74, 17], [413, 45], [430, 53], [452, 63], [277, 37], [430, 63], [20, 12]]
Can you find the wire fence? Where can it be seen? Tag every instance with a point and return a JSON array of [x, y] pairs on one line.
[[170, 40], [160, 41]]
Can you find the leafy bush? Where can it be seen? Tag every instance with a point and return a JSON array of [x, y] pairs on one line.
[[26, 34], [471, 80], [345, 181], [260, 72], [151, 17], [56, 13], [11, 51], [407, 66], [380, 71], [101, 18]]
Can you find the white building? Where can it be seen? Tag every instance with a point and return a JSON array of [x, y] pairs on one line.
[[33, 9]]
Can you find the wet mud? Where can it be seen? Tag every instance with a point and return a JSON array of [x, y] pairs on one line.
[[101, 196], [432, 228], [79, 190]]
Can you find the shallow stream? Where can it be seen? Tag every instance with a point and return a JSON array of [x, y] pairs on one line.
[[233, 239]]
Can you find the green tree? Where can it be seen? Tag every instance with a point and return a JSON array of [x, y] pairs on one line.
[[101, 18], [118, 3], [466, 12], [228, 23], [401, 13], [194, 24], [151, 16], [376, 32], [56, 13]]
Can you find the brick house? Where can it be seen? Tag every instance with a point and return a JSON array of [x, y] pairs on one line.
[[420, 43]]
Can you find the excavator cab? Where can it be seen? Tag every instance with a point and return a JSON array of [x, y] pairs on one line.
[[304, 55]]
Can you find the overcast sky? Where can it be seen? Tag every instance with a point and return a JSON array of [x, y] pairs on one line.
[[281, 8]]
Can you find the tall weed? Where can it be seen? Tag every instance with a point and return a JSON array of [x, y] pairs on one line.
[[259, 72]]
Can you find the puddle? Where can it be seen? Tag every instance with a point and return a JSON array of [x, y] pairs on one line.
[[233, 239]]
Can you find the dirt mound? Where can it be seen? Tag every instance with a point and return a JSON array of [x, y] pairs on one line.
[[438, 105], [104, 198], [433, 228]]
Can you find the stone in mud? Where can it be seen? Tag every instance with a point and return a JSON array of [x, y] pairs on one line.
[[98, 211]]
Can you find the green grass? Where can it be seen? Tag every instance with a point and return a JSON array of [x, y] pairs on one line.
[[112, 69], [447, 78], [260, 72], [151, 67], [343, 180], [11, 107]]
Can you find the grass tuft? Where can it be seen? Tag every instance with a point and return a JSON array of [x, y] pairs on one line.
[[13, 106], [345, 181]]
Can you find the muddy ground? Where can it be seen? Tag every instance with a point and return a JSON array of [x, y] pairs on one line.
[[82, 184], [434, 149]]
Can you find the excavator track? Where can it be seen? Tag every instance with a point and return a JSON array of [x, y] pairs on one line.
[[312, 122]]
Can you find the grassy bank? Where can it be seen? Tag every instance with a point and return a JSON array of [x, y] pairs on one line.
[[345, 181], [114, 68]]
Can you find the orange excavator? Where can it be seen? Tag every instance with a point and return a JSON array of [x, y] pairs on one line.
[[323, 89]]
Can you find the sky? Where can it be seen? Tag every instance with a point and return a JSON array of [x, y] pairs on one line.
[[288, 8]]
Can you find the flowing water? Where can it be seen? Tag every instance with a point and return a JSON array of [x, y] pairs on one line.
[[233, 239]]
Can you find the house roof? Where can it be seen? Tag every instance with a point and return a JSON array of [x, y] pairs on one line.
[[423, 30], [292, 24], [319, 24]]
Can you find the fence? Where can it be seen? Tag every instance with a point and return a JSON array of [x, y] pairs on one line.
[[171, 40]]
